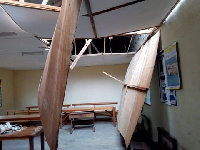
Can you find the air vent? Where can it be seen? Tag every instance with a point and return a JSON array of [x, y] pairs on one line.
[[32, 53], [4, 34]]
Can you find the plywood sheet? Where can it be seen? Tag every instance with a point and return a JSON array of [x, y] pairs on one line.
[[53, 82], [139, 74]]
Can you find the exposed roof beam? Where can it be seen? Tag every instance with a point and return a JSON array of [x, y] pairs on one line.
[[114, 8], [30, 5], [89, 11], [44, 2], [59, 3], [81, 53]]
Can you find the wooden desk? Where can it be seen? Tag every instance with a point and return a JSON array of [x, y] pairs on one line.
[[104, 108], [20, 117], [27, 133], [81, 115]]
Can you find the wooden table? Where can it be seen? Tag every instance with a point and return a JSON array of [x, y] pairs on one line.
[[104, 108], [27, 133], [35, 117]]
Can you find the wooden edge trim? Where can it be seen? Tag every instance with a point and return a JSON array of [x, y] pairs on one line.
[[30, 5], [100, 103], [137, 88]]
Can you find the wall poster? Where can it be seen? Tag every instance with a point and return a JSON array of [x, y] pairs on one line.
[[166, 96], [171, 68]]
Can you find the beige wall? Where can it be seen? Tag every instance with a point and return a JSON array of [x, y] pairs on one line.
[[85, 84], [7, 88], [183, 121], [26, 87]]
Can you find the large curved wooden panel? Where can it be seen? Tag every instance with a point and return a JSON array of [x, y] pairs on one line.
[[54, 79], [138, 74]]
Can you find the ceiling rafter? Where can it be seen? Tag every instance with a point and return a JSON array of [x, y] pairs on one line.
[[89, 11], [114, 8]]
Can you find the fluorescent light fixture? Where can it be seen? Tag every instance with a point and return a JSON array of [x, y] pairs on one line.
[[3, 34], [32, 53]]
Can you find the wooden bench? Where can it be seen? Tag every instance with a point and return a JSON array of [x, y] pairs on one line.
[[99, 108], [97, 104], [27, 133], [86, 118], [35, 110]]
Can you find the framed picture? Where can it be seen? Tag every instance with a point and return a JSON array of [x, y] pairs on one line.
[[171, 68], [147, 100], [166, 96]]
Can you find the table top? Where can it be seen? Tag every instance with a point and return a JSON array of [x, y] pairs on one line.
[[20, 117], [97, 103], [87, 108], [25, 133]]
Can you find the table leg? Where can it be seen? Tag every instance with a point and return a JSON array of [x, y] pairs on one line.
[[114, 123], [42, 140], [61, 122], [0, 145], [31, 143]]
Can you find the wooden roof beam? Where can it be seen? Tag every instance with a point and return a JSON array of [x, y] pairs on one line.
[[30, 5], [89, 11], [114, 8]]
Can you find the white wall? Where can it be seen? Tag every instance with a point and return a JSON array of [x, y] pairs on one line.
[[85, 84], [89, 84], [183, 121], [7, 89]]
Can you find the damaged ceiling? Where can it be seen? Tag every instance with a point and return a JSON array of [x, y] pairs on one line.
[[21, 28]]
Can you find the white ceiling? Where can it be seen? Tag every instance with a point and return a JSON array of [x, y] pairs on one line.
[[28, 23]]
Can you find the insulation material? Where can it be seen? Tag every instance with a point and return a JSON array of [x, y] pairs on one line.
[[52, 88], [139, 73]]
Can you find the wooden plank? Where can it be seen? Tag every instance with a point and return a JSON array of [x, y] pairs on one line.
[[89, 11], [138, 74], [81, 53], [19, 117], [76, 109], [30, 5], [97, 103], [52, 87]]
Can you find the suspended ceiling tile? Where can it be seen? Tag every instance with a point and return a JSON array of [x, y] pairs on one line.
[[38, 22]]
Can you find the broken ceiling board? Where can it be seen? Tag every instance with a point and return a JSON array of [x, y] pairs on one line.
[[7, 24], [53, 83], [141, 15], [139, 73], [104, 59], [30, 5], [38, 22], [18, 62], [134, 17]]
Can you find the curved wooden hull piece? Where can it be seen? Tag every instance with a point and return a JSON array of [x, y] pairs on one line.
[[139, 73], [53, 83]]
